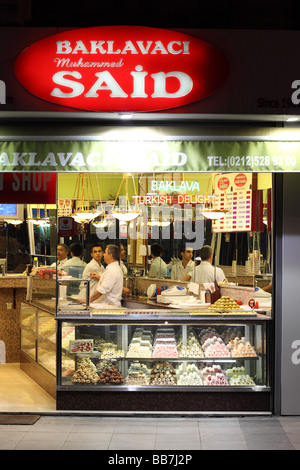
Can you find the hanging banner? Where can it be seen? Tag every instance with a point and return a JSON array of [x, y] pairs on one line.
[[164, 156]]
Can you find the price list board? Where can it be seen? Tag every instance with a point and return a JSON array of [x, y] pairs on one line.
[[233, 192]]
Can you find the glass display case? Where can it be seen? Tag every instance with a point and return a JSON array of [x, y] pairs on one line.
[[165, 352], [38, 345]]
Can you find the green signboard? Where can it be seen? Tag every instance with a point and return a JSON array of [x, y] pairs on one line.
[[146, 156]]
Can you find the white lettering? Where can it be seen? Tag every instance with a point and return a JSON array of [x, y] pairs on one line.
[[159, 48], [111, 84], [139, 83], [59, 79], [110, 49], [80, 47], [31, 161], [160, 78], [97, 45], [78, 160], [18, 159], [49, 160], [64, 160], [129, 47], [105, 81], [296, 355], [295, 96], [4, 160], [171, 47], [143, 49], [132, 47], [63, 47], [93, 159]]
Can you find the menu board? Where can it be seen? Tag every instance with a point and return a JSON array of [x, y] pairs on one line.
[[64, 207], [233, 192]]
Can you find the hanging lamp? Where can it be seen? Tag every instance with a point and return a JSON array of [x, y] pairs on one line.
[[84, 198], [39, 220], [125, 213]]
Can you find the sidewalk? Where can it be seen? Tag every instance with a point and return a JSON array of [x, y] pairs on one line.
[[153, 433]]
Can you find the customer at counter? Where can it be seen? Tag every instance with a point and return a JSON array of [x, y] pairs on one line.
[[158, 267], [62, 252], [76, 257], [205, 272], [183, 270], [110, 286], [93, 270]]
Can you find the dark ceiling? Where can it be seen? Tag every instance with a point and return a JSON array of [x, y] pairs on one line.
[[232, 14]]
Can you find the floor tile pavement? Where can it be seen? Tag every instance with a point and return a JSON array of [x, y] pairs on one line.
[[61, 432]]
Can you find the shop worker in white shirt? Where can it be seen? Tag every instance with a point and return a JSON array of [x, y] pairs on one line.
[[76, 257], [62, 252], [158, 267], [183, 270], [93, 267], [110, 286], [205, 272]]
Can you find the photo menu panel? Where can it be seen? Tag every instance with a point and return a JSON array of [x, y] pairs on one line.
[[233, 192]]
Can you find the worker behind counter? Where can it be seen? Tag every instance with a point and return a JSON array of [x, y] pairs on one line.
[[183, 270], [110, 286], [94, 267], [205, 272], [62, 252], [158, 267], [76, 257]]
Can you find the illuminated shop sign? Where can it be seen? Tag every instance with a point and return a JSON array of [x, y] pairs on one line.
[[174, 186], [157, 157], [121, 68], [178, 199]]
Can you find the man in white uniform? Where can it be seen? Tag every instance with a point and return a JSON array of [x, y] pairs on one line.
[[158, 267], [184, 269], [110, 286], [62, 252], [76, 255], [93, 267], [205, 272]]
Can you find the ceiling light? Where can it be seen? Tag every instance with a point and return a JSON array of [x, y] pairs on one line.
[[125, 215], [14, 221], [125, 116]]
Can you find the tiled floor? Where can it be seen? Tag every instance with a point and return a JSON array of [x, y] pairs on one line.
[[58, 431], [153, 433]]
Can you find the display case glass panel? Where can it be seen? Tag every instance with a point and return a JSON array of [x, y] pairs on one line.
[[38, 336], [164, 355], [46, 341], [28, 330]]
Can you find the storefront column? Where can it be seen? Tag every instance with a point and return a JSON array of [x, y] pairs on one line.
[[287, 314]]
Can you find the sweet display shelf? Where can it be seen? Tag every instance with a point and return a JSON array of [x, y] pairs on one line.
[[97, 355], [158, 388], [150, 315]]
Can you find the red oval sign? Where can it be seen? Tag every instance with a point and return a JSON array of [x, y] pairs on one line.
[[121, 68]]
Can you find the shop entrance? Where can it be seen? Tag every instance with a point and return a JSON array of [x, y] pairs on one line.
[[169, 229]]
